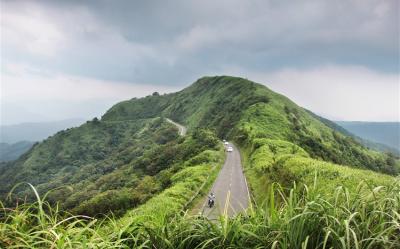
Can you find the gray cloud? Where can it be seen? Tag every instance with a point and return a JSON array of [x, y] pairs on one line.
[[171, 43]]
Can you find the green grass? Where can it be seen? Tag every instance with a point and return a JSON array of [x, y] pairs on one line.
[[39, 225], [270, 161], [313, 186], [299, 218]]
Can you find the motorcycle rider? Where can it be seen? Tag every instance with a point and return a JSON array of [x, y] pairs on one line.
[[211, 200]]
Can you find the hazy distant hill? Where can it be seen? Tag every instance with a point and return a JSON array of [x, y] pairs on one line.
[[9, 152], [34, 131], [387, 133]]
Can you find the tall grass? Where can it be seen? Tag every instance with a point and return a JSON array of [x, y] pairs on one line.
[[299, 217], [39, 225]]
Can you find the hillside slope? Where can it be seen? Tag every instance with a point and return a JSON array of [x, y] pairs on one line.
[[128, 156], [243, 110], [312, 185], [104, 166]]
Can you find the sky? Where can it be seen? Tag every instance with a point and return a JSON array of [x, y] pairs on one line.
[[75, 59]]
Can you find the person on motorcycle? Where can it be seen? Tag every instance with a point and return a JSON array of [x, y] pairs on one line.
[[211, 200]]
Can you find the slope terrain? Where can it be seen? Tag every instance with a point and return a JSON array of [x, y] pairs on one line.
[[105, 166], [125, 151], [243, 110], [133, 163]]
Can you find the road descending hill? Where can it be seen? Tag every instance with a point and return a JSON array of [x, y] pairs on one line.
[[230, 188], [182, 129]]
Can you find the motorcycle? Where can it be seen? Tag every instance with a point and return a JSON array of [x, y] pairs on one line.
[[210, 203]]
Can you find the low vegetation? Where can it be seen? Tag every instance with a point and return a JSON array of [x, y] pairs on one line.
[[131, 178], [299, 217], [116, 166]]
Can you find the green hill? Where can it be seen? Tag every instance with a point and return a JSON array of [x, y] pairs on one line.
[[243, 110], [104, 166], [131, 145], [249, 113], [133, 163]]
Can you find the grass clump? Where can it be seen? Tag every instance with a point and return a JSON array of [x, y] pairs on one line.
[[300, 217], [41, 225]]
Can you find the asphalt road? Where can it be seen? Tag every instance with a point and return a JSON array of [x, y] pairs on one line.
[[182, 129], [230, 188]]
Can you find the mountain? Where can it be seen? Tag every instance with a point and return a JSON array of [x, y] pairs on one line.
[[34, 131], [128, 156], [9, 152], [363, 140], [386, 133], [238, 108]]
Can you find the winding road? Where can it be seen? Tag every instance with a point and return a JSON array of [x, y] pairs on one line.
[[230, 187], [182, 129]]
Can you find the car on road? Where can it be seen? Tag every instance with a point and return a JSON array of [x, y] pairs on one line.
[[230, 149], [226, 143]]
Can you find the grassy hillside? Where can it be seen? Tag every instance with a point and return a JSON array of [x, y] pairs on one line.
[[313, 185], [104, 166], [243, 110], [248, 113]]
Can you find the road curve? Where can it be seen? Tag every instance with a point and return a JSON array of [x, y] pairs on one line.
[[182, 129], [230, 188]]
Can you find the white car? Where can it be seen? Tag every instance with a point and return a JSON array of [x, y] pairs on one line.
[[226, 143], [230, 149]]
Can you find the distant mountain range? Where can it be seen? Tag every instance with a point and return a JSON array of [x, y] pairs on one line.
[[17, 139], [384, 133], [35, 131], [9, 152]]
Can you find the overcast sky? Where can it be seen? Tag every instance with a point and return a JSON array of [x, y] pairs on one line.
[[67, 59]]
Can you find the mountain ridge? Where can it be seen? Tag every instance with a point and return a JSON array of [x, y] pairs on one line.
[[134, 145]]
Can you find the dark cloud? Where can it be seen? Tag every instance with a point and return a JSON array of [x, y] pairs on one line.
[[172, 43]]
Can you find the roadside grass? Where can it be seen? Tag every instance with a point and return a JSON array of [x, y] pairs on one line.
[[269, 161], [300, 218]]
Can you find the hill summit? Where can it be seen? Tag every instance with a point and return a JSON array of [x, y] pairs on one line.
[[129, 155], [242, 110]]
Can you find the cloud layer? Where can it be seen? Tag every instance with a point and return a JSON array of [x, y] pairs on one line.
[[345, 49]]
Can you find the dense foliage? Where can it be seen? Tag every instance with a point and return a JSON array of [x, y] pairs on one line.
[[243, 110], [105, 166]]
